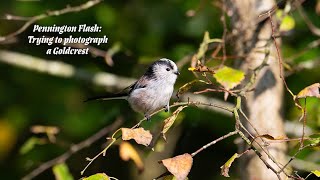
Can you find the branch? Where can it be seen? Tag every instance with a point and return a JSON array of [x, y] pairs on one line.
[[214, 142], [73, 149], [314, 29], [31, 20], [61, 69]]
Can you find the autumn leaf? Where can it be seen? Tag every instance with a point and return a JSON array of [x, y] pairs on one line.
[[140, 135], [98, 176], [225, 168], [170, 120], [127, 152], [310, 91], [179, 166], [229, 77]]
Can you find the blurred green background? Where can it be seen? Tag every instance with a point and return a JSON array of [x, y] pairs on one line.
[[146, 31]]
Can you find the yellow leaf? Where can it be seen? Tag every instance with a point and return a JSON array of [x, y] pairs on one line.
[[287, 22], [229, 77], [140, 135], [127, 152], [191, 68], [179, 166], [316, 172]]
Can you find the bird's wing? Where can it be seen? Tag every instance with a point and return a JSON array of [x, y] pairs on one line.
[[141, 83]]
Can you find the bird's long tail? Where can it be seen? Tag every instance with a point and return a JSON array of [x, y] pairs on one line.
[[108, 97]]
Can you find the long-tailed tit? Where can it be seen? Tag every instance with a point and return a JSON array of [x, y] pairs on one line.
[[152, 91]]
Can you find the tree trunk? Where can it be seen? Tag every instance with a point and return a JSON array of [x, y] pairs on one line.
[[263, 104]]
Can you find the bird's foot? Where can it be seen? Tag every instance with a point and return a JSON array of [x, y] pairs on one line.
[[147, 117], [166, 108]]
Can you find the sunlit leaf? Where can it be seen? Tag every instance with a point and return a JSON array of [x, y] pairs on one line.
[[140, 135], [310, 91], [227, 165], [179, 166], [316, 172], [170, 120], [98, 176], [229, 77], [127, 152], [287, 23], [61, 172]]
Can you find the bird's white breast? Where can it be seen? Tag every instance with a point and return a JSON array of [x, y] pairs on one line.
[[151, 98]]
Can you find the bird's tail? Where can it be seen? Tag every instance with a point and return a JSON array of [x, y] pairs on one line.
[[108, 97]]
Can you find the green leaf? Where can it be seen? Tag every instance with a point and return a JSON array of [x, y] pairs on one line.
[[61, 172], [316, 172], [30, 144], [229, 77], [98, 176], [227, 165], [287, 22], [314, 139]]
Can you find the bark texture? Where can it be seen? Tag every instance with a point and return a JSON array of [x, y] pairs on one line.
[[263, 106]]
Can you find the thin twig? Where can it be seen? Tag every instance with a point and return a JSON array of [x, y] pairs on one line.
[[314, 29], [279, 56], [73, 149], [214, 142], [68, 9]]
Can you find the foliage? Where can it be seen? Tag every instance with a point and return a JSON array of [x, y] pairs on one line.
[[140, 32]]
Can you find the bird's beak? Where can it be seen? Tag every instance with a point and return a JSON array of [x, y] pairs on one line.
[[177, 73]]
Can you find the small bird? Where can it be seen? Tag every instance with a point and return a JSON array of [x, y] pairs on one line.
[[152, 91]]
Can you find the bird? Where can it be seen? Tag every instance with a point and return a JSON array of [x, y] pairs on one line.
[[152, 91]]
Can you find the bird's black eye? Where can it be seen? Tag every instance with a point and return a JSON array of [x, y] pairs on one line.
[[168, 69]]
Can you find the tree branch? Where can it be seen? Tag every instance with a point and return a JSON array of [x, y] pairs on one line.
[[31, 20]]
